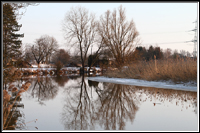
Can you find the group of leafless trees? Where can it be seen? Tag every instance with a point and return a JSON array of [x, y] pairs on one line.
[[112, 31], [82, 30], [45, 50]]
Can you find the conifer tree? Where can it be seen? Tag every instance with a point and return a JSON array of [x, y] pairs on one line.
[[11, 41]]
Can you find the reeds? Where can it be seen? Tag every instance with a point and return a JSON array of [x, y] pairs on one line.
[[10, 107], [176, 70]]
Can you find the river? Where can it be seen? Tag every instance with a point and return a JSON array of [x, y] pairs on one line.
[[61, 103]]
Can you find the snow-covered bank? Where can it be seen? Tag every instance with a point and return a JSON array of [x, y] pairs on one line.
[[137, 82]]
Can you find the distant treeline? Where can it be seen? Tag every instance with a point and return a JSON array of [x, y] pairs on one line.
[[141, 53]]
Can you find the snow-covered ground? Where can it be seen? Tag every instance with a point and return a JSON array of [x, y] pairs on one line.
[[190, 86]]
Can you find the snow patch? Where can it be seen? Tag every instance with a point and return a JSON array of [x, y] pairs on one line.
[[190, 86]]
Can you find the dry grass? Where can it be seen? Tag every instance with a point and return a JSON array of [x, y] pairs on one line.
[[9, 107], [178, 70]]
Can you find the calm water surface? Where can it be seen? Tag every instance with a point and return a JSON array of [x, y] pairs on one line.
[[75, 103]]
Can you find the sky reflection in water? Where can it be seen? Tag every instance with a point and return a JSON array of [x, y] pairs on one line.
[[75, 103]]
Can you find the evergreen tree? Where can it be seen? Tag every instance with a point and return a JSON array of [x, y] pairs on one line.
[[11, 41], [158, 53], [150, 54]]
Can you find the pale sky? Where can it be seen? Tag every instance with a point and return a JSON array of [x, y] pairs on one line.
[[167, 25]]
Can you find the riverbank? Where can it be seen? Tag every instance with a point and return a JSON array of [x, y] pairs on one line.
[[176, 70], [189, 86], [177, 73]]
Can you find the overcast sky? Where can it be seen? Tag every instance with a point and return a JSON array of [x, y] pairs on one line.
[[166, 25]]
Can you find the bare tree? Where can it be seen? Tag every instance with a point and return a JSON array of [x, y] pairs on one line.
[[167, 53], [175, 54], [43, 48], [80, 29], [51, 47], [38, 51], [183, 52], [27, 53], [188, 54], [20, 8], [118, 34]]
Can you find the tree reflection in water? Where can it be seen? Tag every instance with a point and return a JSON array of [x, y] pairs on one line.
[[61, 80], [79, 107], [184, 98], [44, 89], [113, 104], [93, 105], [119, 104]]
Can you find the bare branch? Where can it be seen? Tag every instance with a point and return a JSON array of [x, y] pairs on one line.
[[44, 48], [18, 6], [117, 34], [80, 29]]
